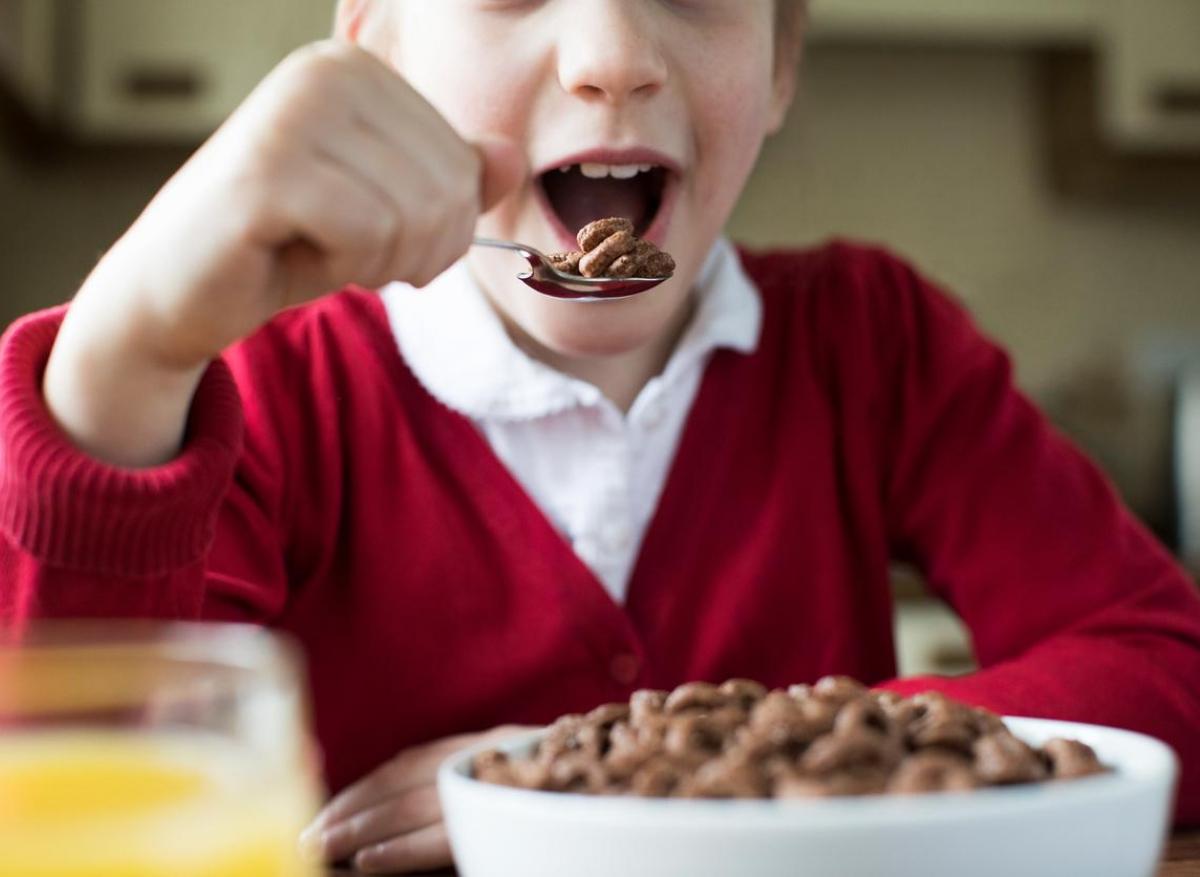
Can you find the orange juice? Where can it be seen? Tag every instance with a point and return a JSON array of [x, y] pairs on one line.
[[113, 803]]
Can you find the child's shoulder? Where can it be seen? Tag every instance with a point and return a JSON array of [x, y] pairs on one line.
[[847, 298], [844, 279], [836, 265]]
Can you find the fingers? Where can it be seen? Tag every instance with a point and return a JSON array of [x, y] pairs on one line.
[[423, 850], [336, 106], [404, 814], [410, 769], [347, 229], [390, 816], [432, 208]]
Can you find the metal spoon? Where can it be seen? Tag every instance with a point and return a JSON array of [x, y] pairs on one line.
[[547, 280]]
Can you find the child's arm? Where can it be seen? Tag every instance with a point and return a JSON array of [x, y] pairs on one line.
[[126, 488], [199, 537], [334, 171], [1076, 612]]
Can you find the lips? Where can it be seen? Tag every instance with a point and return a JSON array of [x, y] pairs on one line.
[[638, 185]]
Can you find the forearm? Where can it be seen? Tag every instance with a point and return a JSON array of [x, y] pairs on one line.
[[115, 400]]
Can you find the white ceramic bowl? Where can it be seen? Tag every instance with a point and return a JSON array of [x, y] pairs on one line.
[[1105, 826]]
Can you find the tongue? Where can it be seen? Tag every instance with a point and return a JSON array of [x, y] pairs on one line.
[[578, 200]]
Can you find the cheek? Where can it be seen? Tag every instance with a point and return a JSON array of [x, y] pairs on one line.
[[730, 105], [481, 95]]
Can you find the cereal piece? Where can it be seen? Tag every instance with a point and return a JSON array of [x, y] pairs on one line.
[[631, 746], [819, 713], [694, 738], [744, 692], [863, 713], [656, 779], [727, 777], [646, 703], [839, 689], [800, 692], [563, 738], [987, 721], [493, 767], [567, 263], [598, 260], [594, 233], [577, 773], [1001, 758], [939, 721], [856, 748], [694, 695], [623, 267], [658, 264], [932, 772], [857, 781], [608, 714], [531, 774], [778, 723], [1071, 758]]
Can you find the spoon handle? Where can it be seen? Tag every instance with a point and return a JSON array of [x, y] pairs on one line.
[[536, 258]]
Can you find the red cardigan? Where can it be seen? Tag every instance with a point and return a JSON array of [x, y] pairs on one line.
[[323, 492]]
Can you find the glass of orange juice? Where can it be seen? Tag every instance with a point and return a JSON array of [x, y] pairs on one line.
[[149, 750]]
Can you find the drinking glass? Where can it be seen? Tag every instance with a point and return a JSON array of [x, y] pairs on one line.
[[153, 750]]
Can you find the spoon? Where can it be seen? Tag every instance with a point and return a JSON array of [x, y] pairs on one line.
[[546, 279]]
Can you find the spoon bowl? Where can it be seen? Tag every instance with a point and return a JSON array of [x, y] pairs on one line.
[[543, 277]]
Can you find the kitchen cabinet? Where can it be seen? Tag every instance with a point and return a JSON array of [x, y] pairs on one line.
[[147, 70], [1152, 74], [992, 21], [26, 53], [1148, 51], [176, 68]]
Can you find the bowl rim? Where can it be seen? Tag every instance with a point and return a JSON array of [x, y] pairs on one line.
[[1158, 766]]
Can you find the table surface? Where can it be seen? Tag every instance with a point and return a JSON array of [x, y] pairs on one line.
[[1181, 860]]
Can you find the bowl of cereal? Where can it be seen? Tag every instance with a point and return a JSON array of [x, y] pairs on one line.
[[828, 779]]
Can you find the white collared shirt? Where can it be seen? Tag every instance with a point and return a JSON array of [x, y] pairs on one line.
[[594, 471]]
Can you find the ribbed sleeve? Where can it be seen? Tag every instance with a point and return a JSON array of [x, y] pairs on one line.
[[69, 510]]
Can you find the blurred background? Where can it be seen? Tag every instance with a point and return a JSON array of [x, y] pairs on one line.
[[1040, 158]]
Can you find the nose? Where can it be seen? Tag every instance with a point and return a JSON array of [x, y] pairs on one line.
[[609, 51]]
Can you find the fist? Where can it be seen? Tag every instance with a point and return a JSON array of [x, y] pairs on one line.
[[334, 171]]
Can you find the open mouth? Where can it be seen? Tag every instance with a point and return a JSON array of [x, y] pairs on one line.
[[577, 194]]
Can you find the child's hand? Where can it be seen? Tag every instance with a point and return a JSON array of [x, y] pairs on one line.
[[391, 820], [334, 171]]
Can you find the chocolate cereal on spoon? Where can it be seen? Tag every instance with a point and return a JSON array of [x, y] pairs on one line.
[[612, 264], [609, 248]]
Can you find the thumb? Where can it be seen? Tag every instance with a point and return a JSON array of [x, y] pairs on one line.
[[503, 171]]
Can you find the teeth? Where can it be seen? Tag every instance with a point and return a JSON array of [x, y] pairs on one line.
[[595, 171]]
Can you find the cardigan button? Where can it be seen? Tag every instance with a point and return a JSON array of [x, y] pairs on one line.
[[625, 668]]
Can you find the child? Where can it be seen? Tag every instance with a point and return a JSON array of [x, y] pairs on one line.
[[474, 505]]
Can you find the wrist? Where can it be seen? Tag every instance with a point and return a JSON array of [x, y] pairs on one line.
[[114, 397]]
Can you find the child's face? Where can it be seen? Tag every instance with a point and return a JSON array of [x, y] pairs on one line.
[[688, 87]]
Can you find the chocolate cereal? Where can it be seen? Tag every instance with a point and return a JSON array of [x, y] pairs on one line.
[[737, 740], [609, 248]]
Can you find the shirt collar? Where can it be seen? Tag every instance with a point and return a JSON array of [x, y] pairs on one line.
[[457, 347]]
